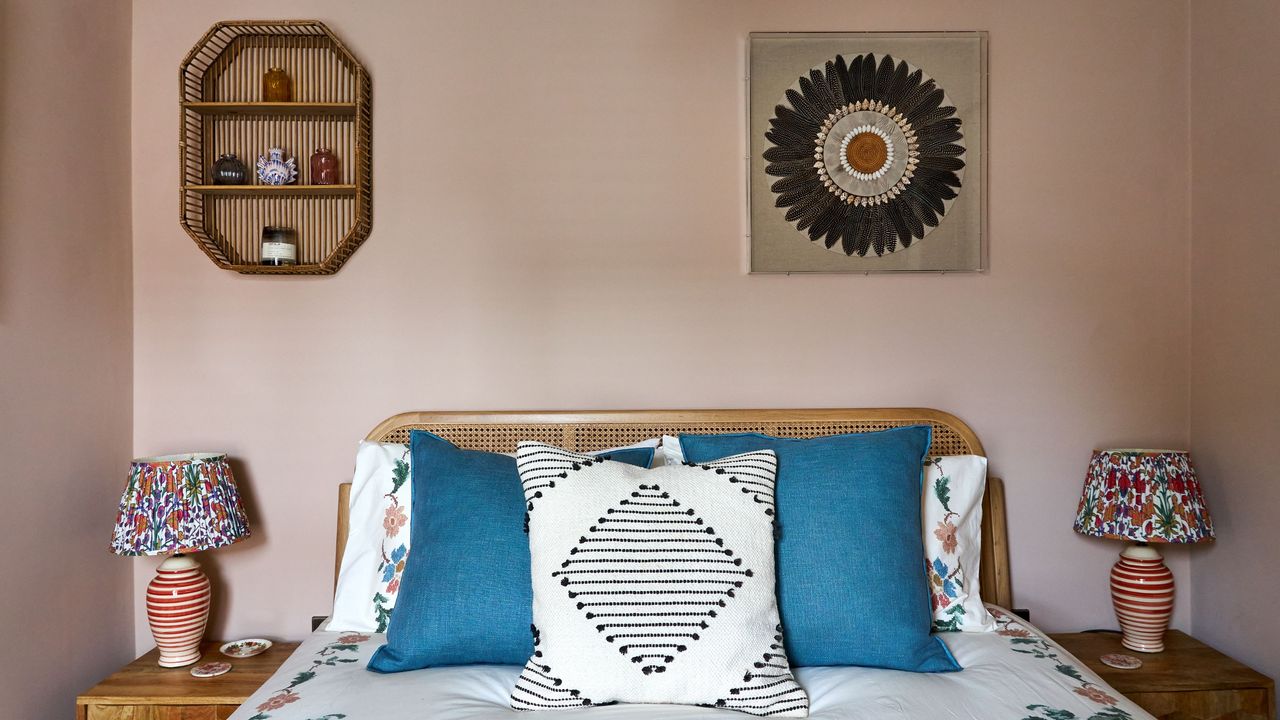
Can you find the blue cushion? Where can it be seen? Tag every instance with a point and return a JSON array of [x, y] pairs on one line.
[[466, 595], [851, 590]]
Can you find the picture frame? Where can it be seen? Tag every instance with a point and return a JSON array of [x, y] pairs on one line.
[[840, 180]]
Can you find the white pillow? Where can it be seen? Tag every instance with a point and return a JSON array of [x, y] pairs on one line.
[[952, 533], [951, 518], [377, 539], [671, 451], [378, 536], [653, 586]]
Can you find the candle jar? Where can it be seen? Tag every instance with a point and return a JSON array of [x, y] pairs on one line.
[[228, 170], [276, 86], [279, 246], [324, 167]]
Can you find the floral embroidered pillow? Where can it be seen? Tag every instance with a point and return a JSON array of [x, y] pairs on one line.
[[952, 523], [377, 541]]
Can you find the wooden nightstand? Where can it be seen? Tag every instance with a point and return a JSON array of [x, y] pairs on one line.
[[1188, 681], [142, 690]]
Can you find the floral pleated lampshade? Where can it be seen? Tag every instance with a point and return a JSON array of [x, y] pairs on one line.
[[1144, 496], [179, 504]]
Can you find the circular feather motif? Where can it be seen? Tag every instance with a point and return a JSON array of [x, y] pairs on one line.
[[869, 153]]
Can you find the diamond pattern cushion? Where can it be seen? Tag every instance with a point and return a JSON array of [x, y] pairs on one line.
[[653, 586]]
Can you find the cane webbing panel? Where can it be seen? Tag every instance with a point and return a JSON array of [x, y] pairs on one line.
[[587, 436]]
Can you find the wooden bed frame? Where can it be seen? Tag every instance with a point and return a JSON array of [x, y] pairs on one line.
[[594, 430]]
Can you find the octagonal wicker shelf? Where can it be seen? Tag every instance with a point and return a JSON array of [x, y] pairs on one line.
[[220, 82]]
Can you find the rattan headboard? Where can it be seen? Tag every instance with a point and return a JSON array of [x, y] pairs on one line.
[[594, 430]]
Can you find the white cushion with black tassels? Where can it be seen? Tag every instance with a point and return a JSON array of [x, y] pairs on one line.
[[653, 586]]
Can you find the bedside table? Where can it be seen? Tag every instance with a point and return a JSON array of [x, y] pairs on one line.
[[1188, 681], [142, 690]]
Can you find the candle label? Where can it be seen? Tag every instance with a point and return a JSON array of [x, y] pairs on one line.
[[280, 251]]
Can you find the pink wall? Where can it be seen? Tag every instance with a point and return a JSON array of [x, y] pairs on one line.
[[558, 223], [65, 350], [1235, 337]]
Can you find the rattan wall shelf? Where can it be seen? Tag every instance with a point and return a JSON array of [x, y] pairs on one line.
[[220, 83]]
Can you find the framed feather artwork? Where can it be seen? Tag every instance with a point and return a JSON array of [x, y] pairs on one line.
[[867, 152]]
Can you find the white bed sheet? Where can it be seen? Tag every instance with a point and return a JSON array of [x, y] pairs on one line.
[[1015, 673]]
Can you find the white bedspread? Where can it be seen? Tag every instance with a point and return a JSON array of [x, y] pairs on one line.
[[1015, 673]]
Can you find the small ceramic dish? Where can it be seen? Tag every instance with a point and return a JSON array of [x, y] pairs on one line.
[[245, 648], [1124, 662], [211, 669]]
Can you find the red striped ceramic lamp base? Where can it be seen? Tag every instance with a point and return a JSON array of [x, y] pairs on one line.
[[178, 600], [1142, 592]]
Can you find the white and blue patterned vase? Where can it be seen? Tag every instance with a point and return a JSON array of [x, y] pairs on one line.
[[274, 169]]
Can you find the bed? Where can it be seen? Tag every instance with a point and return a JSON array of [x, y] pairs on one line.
[[1016, 672]]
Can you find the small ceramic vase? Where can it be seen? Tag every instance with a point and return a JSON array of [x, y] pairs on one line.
[[228, 170], [275, 169], [276, 86], [324, 167]]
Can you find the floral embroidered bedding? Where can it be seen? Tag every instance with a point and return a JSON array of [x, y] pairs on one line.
[[1013, 673]]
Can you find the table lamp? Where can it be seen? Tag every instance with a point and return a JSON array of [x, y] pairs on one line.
[[175, 505], [1148, 497]]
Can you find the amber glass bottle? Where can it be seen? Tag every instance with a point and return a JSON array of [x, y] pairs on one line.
[[276, 86]]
